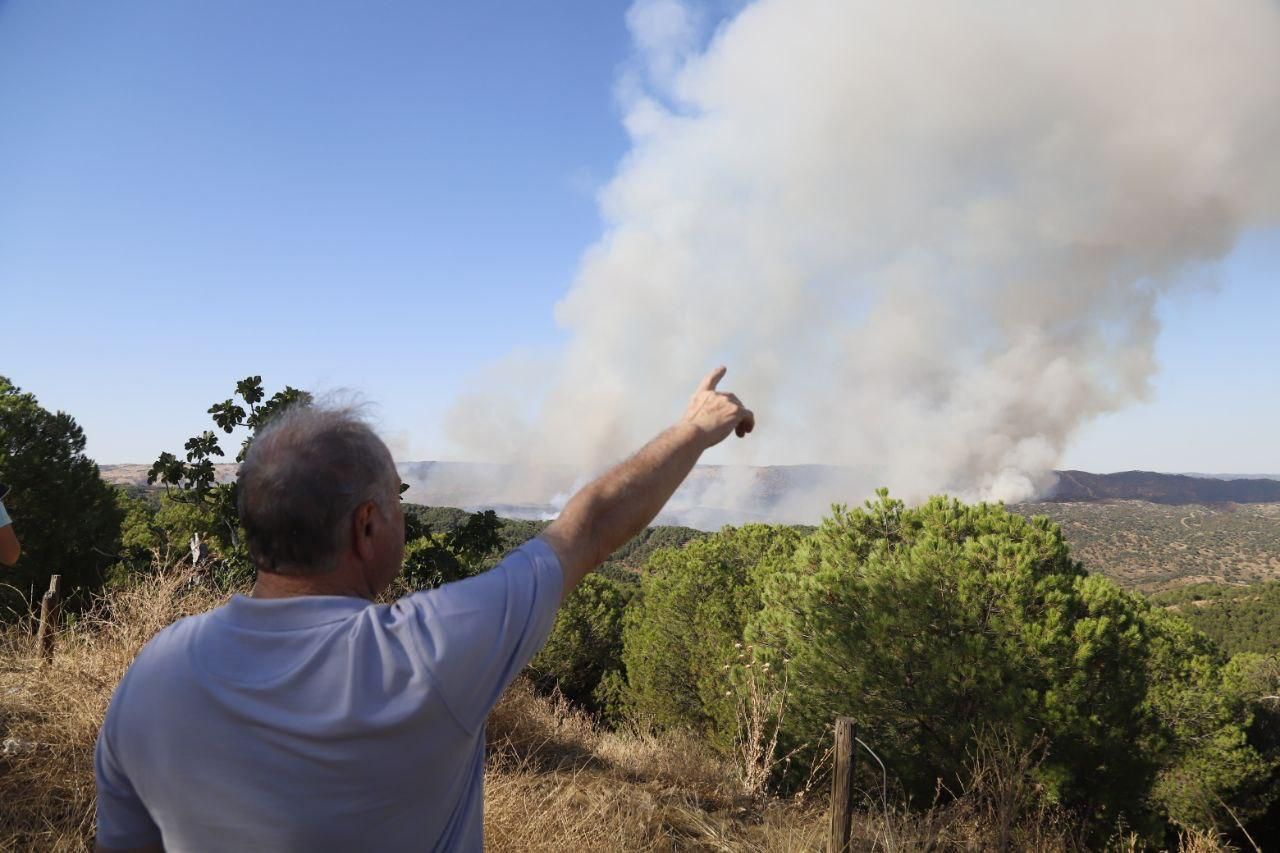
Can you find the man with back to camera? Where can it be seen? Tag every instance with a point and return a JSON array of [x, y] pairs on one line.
[[305, 717], [10, 549]]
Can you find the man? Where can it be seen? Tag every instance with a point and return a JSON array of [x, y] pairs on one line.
[[10, 549], [304, 717]]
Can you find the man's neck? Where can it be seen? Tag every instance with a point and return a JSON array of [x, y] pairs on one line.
[[275, 585]]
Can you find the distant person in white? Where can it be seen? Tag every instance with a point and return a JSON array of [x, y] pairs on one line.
[[306, 717]]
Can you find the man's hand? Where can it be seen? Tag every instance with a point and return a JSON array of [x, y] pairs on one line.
[[717, 413], [618, 505]]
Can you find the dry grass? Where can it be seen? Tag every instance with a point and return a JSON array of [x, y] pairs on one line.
[[555, 781], [50, 714]]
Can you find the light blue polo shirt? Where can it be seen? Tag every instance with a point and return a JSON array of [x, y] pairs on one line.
[[321, 722]]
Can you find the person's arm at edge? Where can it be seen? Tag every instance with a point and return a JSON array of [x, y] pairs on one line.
[[10, 549], [623, 501]]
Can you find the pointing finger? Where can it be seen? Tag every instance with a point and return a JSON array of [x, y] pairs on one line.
[[712, 379]]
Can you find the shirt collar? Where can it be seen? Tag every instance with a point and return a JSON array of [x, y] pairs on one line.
[[289, 614]]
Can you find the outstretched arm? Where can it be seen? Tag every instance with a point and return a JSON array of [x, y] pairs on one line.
[[622, 502]]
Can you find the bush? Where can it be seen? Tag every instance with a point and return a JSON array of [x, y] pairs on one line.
[[930, 625], [465, 544], [585, 646], [1222, 738], [429, 563], [679, 639]]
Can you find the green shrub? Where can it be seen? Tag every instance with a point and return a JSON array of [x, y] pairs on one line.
[[933, 624], [1221, 736], [585, 647], [679, 639], [444, 545], [428, 563]]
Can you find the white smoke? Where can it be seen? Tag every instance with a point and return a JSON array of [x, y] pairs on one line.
[[928, 238]]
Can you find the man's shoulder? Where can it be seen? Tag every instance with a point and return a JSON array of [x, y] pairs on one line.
[[182, 629], [171, 644], [159, 678]]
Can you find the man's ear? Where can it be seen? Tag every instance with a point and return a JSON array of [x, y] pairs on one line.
[[363, 525]]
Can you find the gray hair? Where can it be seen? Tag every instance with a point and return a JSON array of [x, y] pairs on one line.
[[305, 473]]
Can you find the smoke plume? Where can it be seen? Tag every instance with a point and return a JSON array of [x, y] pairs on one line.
[[929, 239]]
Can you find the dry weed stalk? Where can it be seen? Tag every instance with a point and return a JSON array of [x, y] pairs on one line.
[[1001, 781], [760, 708], [1203, 841]]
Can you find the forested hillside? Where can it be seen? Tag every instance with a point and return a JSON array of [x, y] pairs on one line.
[[1152, 546], [1173, 489], [1237, 618]]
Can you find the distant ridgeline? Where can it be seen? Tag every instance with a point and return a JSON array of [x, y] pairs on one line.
[[1075, 486], [701, 501]]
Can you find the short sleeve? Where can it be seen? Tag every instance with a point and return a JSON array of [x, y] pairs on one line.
[[5, 520], [477, 634], [123, 821]]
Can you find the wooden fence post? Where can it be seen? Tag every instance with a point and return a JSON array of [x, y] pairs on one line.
[[50, 610], [842, 787]]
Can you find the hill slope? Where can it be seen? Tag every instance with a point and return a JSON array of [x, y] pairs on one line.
[[1175, 489]]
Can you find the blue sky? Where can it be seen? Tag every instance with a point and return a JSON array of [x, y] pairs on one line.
[[384, 197]]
